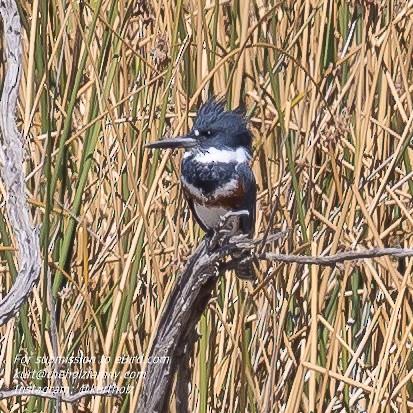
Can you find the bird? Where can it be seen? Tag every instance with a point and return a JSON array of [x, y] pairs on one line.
[[217, 180]]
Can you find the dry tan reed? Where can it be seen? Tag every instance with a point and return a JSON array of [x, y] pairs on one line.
[[328, 85]]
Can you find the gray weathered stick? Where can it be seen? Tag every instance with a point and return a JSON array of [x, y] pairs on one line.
[[70, 398], [188, 301], [338, 258], [11, 159], [176, 328]]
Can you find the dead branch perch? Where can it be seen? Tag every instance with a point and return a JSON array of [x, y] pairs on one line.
[[11, 158], [71, 398], [175, 334], [176, 328]]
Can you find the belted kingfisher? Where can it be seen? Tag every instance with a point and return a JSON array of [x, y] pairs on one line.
[[216, 177]]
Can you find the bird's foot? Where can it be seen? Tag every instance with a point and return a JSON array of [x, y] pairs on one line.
[[228, 225], [226, 231]]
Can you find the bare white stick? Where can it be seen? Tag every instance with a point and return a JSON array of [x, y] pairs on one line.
[[11, 159], [70, 398]]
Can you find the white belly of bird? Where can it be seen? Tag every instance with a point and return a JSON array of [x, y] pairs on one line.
[[211, 216]]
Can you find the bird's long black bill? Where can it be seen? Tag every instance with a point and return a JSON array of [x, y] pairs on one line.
[[172, 143]]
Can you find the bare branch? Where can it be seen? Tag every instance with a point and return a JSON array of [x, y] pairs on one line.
[[332, 260], [174, 337], [11, 158], [72, 398]]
